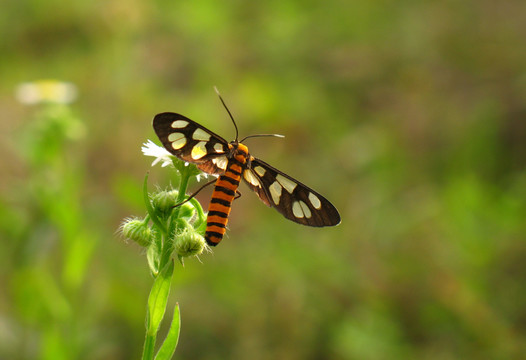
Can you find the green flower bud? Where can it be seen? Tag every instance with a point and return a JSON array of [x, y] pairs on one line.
[[163, 202], [136, 230], [187, 211], [189, 243]]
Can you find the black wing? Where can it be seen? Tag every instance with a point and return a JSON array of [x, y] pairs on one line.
[[296, 201], [192, 142]]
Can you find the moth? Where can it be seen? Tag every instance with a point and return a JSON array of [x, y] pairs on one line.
[[231, 161]]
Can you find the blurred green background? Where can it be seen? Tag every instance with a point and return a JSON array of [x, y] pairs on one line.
[[408, 115]]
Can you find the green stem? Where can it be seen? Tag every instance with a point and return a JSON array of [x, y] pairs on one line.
[[167, 244], [183, 185], [149, 346], [158, 298]]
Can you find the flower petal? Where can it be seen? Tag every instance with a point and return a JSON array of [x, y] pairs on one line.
[[161, 154]]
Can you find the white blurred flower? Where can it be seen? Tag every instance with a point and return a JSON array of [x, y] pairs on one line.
[[46, 91], [161, 154]]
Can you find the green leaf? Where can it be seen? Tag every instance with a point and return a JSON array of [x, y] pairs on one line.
[[200, 223], [156, 307], [172, 338], [159, 297], [153, 257]]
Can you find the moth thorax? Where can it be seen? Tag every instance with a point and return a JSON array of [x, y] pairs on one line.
[[240, 153]]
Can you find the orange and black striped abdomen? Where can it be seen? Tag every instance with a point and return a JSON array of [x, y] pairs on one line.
[[223, 195]]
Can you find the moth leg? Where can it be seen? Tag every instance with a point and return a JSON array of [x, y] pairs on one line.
[[238, 194], [195, 193]]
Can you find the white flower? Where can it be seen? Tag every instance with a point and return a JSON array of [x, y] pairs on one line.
[[46, 91], [161, 154], [204, 176]]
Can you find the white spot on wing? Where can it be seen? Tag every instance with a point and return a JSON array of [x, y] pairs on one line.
[[260, 171], [249, 176], [286, 183], [221, 162], [199, 150], [314, 201], [275, 192], [200, 134], [305, 209], [175, 136], [301, 210], [179, 124], [219, 148], [296, 210], [177, 140]]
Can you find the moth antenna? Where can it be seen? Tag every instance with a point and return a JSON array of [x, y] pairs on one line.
[[229, 113], [263, 135]]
